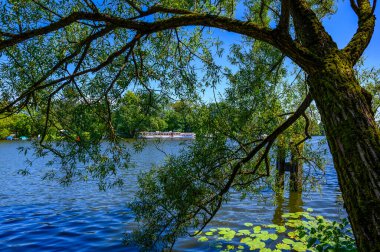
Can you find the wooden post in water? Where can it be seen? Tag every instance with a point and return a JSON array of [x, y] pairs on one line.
[[280, 165], [296, 171]]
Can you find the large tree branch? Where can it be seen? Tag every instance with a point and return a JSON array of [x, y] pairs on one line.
[[283, 24], [91, 5], [267, 141], [309, 29], [272, 137], [366, 25], [296, 52], [354, 6], [75, 16]]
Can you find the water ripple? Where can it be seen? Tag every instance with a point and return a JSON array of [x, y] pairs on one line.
[[38, 215]]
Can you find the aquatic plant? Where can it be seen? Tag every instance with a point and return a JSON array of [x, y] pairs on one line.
[[300, 232]]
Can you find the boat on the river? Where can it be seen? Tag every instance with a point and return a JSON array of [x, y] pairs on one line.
[[166, 135]]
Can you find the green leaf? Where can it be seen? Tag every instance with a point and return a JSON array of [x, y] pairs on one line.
[[244, 232], [299, 246], [280, 229], [288, 241], [283, 246], [203, 239], [273, 237], [257, 229]]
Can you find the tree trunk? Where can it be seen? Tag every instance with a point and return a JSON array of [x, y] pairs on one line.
[[354, 141]]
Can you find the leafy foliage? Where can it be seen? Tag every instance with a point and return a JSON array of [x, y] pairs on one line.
[[300, 232], [19, 124], [181, 193]]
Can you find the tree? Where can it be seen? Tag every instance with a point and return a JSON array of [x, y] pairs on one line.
[[99, 49], [180, 117], [135, 113], [17, 124]]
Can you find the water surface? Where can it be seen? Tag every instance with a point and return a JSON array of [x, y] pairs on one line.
[[37, 215]]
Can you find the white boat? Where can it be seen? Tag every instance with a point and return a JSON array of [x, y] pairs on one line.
[[166, 135]]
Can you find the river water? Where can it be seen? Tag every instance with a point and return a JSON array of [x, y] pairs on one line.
[[37, 215]]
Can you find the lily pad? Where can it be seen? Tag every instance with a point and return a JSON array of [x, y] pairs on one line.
[[263, 237], [291, 215], [272, 226], [283, 246], [265, 250], [292, 234], [256, 244], [244, 232], [203, 239], [280, 229], [227, 234], [299, 246], [246, 240], [257, 229], [219, 246], [230, 247], [273, 237], [288, 241]]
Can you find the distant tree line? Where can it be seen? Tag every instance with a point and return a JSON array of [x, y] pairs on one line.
[[134, 113], [138, 112], [18, 124]]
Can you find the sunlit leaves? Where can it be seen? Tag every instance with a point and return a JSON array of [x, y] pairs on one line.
[[202, 239], [257, 229]]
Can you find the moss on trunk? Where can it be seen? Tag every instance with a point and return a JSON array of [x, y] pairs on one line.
[[354, 141]]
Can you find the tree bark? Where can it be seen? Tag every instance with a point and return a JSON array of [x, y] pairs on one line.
[[354, 141]]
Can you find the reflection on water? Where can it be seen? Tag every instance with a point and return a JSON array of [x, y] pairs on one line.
[[38, 215], [295, 205]]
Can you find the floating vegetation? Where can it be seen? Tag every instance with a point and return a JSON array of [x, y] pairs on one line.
[[301, 232]]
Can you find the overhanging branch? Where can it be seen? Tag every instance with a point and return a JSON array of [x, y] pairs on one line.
[[181, 18]]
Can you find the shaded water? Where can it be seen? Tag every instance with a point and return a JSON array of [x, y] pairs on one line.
[[38, 215]]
